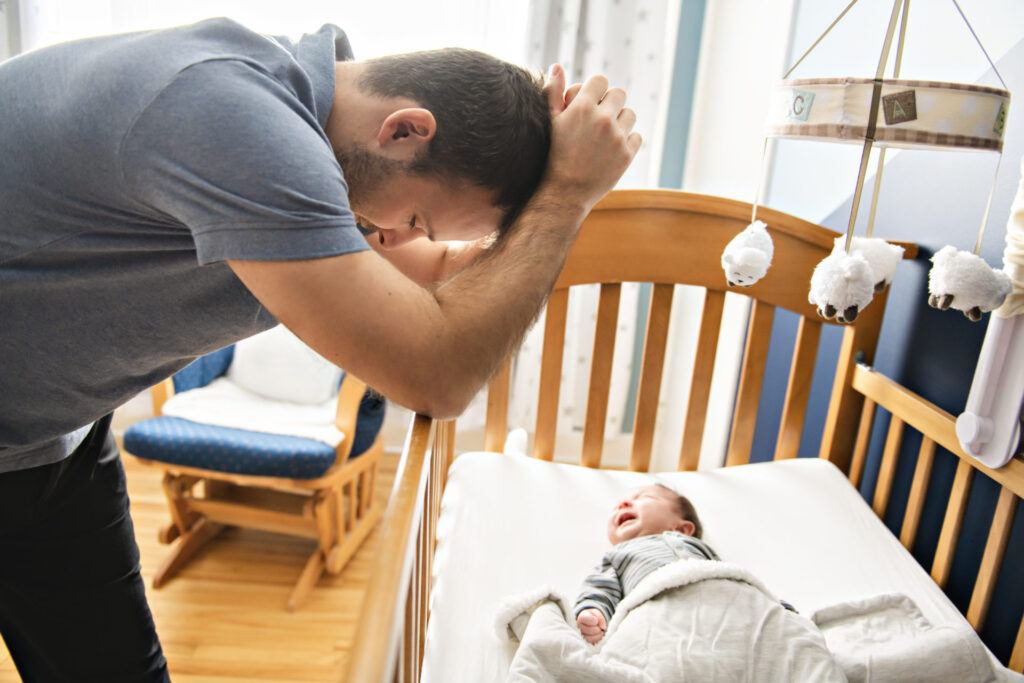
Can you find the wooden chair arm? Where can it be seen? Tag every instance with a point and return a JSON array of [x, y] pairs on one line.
[[159, 393], [350, 394]]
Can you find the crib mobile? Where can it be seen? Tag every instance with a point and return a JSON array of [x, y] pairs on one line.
[[919, 115]]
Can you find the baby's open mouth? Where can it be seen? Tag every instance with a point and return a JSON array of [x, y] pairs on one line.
[[624, 517]]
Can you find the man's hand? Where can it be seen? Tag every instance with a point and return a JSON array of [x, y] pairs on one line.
[[592, 625], [592, 142]]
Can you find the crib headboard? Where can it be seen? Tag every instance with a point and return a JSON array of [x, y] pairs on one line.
[[668, 238], [664, 238]]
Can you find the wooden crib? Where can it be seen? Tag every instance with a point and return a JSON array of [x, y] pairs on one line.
[[668, 238]]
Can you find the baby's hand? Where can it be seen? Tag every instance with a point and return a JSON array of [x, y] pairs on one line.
[[591, 624]]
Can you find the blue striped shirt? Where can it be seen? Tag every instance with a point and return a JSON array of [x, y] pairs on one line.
[[624, 566]]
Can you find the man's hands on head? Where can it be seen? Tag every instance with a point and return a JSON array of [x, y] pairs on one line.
[[592, 139]]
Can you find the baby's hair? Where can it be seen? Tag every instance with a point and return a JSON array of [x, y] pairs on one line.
[[686, 510]]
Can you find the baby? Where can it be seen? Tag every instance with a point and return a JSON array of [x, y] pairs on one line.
[[653, 526]]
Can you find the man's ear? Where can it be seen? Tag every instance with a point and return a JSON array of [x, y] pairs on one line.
[[405, 131]]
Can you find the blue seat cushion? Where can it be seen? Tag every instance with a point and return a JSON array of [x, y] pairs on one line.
[[177, 441]]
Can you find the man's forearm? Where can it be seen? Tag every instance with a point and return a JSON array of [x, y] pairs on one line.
[[491, 303]]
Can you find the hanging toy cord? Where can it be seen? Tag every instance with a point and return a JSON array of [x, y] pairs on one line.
[[991, 193], [881, 151], [760, 179], [869, 134], [820, 38]]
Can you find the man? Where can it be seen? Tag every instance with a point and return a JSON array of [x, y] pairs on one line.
[[167, 193]]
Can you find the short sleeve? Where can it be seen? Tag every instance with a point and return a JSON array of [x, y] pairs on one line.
[[230, 151]]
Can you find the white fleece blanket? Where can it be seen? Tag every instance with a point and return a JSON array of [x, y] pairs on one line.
[[886, 639], [692, 620]]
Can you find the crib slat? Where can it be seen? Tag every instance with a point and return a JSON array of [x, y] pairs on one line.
[[992, 559], [798, 391], [1017, 656], [600, 374], [860, 448], [651, 370], [700, 385], [755, 356], [550, 374], [497, 409], [918, 491], [952, 523], [887, 470]]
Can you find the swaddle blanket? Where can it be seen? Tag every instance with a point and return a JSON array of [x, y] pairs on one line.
[[886, 639], [692, 620]]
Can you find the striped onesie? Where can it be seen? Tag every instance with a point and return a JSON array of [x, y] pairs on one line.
[[624, 566]]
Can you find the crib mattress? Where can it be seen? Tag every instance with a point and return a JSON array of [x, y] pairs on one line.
[[511, 523]]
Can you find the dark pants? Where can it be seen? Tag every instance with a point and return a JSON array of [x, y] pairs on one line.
[[72, 602]]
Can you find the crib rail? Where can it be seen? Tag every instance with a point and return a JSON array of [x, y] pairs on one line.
[[389, 643], [938, 428]]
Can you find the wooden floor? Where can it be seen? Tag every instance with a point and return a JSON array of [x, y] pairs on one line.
[[223, 618]]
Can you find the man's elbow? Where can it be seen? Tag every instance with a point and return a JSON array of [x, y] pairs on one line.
[[442, 402]]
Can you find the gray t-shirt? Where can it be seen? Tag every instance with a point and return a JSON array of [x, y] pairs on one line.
[[132, 167]]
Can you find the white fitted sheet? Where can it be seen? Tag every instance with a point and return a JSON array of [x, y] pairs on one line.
[[510, 523]]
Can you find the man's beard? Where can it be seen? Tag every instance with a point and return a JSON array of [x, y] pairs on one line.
[[365, 172]]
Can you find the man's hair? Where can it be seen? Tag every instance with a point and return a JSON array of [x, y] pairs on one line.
[[686, 510], [493, 122]]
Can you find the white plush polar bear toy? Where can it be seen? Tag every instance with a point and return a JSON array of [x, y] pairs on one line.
[[880, 255], [746, 258], [845, 283], [964, 281], [841, 286]]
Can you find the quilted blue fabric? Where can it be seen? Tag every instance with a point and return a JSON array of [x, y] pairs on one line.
[[225, 449], [204, 369]]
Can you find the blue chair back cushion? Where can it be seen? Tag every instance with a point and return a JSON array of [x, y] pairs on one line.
[[176, 441], [204, 369]]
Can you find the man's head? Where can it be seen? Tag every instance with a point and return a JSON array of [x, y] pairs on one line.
[[493, 126], [650, 510]]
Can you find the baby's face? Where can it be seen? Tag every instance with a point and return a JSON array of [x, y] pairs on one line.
[[645, 511]]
